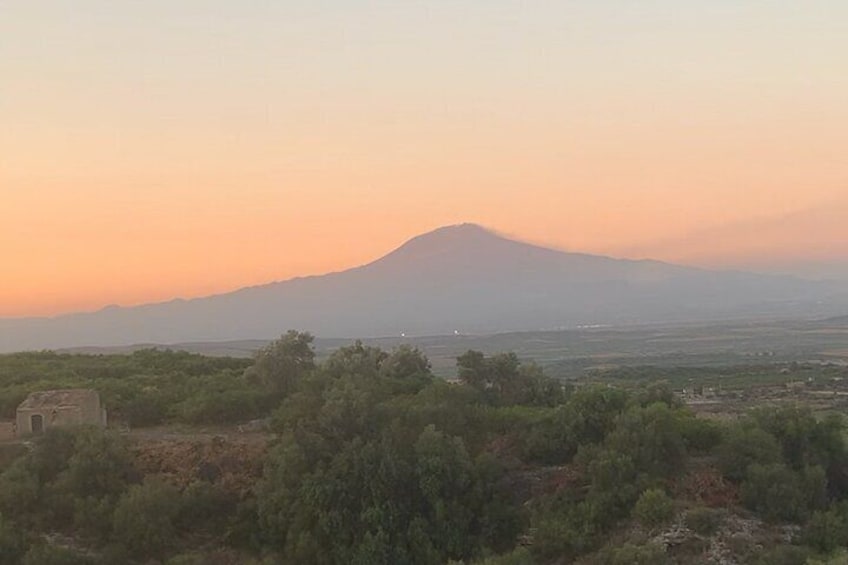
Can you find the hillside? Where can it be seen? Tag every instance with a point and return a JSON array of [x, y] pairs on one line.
[[367, 457], [459, 278]]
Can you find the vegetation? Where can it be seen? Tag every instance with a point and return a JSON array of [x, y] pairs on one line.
[[371, 459]]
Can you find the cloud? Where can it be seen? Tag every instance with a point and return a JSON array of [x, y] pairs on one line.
[[814, 236]]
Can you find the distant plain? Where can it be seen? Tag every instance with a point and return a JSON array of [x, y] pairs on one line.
[[574, 353]]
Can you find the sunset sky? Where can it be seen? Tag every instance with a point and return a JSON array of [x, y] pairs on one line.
[[156, 149]]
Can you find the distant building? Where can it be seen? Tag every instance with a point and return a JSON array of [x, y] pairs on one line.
[[53, 408]]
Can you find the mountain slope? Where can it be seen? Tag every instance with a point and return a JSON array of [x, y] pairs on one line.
[[461, 278]]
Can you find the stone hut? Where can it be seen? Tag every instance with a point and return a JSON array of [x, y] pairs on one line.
[[49, 408]]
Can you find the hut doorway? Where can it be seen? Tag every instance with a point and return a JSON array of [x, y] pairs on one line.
[[36, 423]]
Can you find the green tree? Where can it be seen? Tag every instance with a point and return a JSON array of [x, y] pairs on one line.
[[654, 508], [651, 436], [357, 360], [12, 543], [406, 362], [704, 521], [826, 531], [743, 446], [804, 440], [593, 411], [283, 363], [144, 520], [473, 369], [506, 381], [780, 494], [101, 465]]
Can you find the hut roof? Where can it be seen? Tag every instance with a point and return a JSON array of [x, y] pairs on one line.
[[58, 398]]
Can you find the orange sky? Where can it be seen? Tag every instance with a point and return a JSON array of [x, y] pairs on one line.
[[153, 151]]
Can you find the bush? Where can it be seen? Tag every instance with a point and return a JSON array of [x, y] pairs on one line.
[[145, 517], [20, 493], [778, 493], [744, 446], [204, 506], [700, 435], [12, 543], [837, 558], [826, 531], [101, 465], [520, 556], [144, 410], [704, 521], [784, 555], [10, 453], [632, 554], [93, 516], [226, 407], [651, 437], [653, 508], [49, 555]]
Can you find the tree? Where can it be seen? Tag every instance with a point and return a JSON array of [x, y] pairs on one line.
[[406, 362], [651, 437], [826, 531], [780, 494], [100, 466], [593, 411], [144, 520], [745, 445], [704, 521], [283, 363], [355, 360], [804, 440], [653, 508], [472, 369], [12, 544], [506, 381]]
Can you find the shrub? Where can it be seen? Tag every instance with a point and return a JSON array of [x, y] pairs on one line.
[[704, 521], [144, 410], [784, 555], [229, 406], [632, 554], [744, 446], [778, 493], [204, 506], [520, 556], [50, 555], [839, 557], [651, 437], [700, 435], [145, 516], [653, 508], [93, 516], [12, 544], [826, 531]]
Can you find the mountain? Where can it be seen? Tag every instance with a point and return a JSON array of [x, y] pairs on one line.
[[460, 278]]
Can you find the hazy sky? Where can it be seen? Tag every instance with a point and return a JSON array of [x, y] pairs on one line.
[[152, 149]]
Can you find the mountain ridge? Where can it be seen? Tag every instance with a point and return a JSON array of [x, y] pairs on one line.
[[455, 277]]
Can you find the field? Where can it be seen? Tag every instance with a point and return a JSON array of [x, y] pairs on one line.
[[571, 353], [662, 444]]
